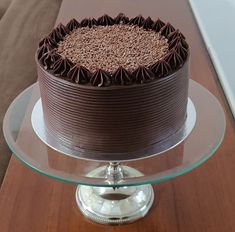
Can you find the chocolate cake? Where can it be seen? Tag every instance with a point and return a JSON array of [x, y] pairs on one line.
[[113, 85]]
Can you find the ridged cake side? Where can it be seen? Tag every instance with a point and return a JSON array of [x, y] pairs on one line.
[[116, 118]]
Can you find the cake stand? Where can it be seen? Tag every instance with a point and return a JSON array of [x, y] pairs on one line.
[[115, 188]]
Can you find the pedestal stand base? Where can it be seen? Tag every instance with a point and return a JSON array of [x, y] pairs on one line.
[[107, 205]]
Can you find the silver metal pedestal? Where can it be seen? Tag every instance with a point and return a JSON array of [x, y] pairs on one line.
[[107, 205]]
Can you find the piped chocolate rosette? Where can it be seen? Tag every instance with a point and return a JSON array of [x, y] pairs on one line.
[[113, 85], [91, 51]]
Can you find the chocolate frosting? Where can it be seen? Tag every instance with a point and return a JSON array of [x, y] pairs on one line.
[[52, 61], [121, 18], [45, 48], [157, 25], [89, 22], [138, 20], [136, 109], [79, 75], [143, 75], [101, 78], [174, 59], [62, 30], [114, 119], [56, 36], [167, 29], [105, 20], [161, 69], [92, 22], [48, 59], [84, 22], [181, 50], [175, 34], [72, 24], [48, 41], [173, 43], [62, 66], [148, 23], [122, 76]]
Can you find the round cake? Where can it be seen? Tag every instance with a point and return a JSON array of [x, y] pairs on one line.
[[113, 85]]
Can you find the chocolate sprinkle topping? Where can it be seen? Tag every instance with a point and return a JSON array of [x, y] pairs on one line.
[[109, 47], [172, 49]]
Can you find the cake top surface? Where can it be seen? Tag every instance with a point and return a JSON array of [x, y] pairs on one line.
[[109, 47], [113, 51]]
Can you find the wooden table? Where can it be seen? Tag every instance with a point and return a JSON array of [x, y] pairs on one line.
[[202, 200]]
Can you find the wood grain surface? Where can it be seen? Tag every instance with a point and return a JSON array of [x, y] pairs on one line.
[[202, 200]]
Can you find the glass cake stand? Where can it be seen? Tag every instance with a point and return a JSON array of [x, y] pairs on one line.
[[115, 188]]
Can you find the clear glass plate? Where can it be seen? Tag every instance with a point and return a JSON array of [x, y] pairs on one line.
[[200, 144]]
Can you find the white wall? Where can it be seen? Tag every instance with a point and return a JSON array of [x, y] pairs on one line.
[[216, 20]]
